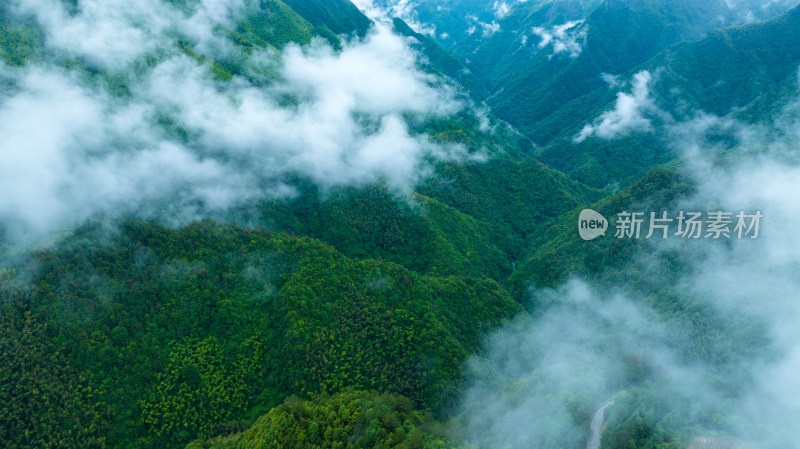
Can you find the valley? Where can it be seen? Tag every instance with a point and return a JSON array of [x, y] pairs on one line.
[[334, 224]]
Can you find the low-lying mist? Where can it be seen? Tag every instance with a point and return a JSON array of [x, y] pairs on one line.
[[711, 349]]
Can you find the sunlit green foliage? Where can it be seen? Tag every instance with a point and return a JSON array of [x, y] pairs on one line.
[[195, 391], [191, 332], [351, 419]]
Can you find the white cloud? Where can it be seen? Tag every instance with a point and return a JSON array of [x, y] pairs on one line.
[[538, 377], [488, 29], [185, 143], [628, 114], [566, 38], [501, 8], [756, 277], [402, 9], [612, 80], [114, 33]]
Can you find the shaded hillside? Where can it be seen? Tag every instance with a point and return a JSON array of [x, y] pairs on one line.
[[749, 71], [620, 35]]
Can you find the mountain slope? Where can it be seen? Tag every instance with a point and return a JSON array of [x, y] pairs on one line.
[[447, 21], [748, 71], [709, 72], [440, 60], [620, 35], [188, 332], [332, 16], [349, 321], [274, 24], [511, 50], [419, 233]]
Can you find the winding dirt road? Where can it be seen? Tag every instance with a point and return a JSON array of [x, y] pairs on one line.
[[597, 424]]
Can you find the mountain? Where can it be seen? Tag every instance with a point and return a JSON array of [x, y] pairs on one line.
[[548, 65], [709, 76], [506, 53], [706, 71], [275, 24], [283, 223], [447, 21], [619, 36]]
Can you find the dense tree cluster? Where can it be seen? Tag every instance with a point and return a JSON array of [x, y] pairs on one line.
[[348, 420]]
